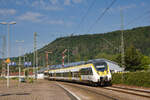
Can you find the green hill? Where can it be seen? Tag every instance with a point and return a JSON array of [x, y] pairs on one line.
[[106, 45]]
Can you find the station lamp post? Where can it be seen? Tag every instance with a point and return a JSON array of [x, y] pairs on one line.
[[8, 50]]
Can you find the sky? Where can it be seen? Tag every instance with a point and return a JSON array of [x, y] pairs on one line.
[[57, 18]]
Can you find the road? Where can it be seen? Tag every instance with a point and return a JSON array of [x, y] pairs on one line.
[[56, 90]]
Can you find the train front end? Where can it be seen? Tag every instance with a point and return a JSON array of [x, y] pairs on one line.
[[103, 72]]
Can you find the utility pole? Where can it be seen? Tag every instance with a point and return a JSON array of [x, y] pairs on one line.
[[3, 55], [47, 56], [24, 60], [68, 54], [35, 56], [43, 60], [20, 49], [19, 63], [46, 59], [122, 40], [68, 49]]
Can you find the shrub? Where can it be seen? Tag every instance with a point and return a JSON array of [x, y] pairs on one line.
[[2, 78], [15, 78], [141, 78], [31, 80]]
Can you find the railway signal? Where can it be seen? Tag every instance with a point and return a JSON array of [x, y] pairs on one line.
[[63, 57]]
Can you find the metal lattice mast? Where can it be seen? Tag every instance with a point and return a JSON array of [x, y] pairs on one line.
[[20, 52], [35, 55], [122, 40]]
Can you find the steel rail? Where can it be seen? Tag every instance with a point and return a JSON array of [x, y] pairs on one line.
[[139, 90], [126, 91]]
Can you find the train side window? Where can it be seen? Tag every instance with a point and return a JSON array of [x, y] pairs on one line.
[[66, 74], [70, 74], [75, 74], [86, 71], [50, 74]]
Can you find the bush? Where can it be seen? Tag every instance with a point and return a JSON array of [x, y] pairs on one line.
[[132, 78], [31, 80], [15, 78], [2, 78]]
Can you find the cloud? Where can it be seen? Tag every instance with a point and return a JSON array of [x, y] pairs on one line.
[[67, 2], [46, 5], [69, 24], [31, 16], [18, 2], [53, 8], [77, 1], [38, 18], [58, 22], [54, 2], [7, 11], [128, 7], [143, 4], [38, 3]]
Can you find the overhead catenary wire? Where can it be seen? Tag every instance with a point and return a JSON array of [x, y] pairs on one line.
[[101, 15], [137, 18], [85, 15], [129, 23]]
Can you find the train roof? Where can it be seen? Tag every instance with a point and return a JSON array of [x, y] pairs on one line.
[[75, 64]]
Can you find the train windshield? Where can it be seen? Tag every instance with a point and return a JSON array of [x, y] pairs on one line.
[[101, 66]]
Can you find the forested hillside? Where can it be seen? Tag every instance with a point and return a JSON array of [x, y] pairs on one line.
[[100, 45]]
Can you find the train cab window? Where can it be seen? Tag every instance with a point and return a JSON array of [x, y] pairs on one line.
[[86, 71], [46, 74], [101, 66]]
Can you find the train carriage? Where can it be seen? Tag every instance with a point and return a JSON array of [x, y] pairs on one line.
[[93, 71]]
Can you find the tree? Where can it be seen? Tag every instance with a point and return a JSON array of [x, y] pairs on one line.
[[106, 56], [134, 59], [145, 63]]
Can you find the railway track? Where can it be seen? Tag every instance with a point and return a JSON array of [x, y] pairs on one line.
[[137, 92], [92, 91], [97, 90], [69, 93]]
